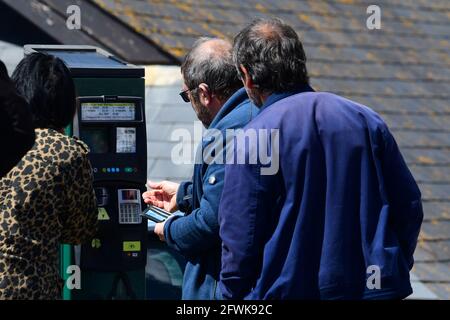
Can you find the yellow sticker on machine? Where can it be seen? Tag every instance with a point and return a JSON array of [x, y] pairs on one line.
[[96, 243], [102, 214], [131, 246]]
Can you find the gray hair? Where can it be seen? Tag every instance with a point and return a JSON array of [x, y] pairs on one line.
[[211, 64]]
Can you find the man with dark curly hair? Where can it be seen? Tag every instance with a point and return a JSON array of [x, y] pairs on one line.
[[340, 217]]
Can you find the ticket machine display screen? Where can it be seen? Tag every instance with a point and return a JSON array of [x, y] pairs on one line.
[[108, 111]]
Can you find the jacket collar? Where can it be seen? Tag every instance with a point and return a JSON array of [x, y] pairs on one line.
[[277, 96], [237, 98]]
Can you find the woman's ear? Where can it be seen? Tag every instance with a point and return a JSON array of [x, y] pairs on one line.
[[204, 94]]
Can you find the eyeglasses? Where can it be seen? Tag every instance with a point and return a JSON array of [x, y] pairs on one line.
[[185, 96]]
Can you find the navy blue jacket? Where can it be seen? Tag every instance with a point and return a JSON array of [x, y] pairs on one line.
[[342, 202], [196, 235]]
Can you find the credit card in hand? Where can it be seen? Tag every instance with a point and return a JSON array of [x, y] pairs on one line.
[[155, 214]]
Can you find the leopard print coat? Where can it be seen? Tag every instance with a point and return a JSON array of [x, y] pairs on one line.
[[45, 200]]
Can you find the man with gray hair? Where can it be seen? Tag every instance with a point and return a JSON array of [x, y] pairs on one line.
[[212, 86]]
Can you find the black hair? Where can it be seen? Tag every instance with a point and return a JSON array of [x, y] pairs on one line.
[[273, 55], [3, 72], [213, 67], [46, 84], [16, 129]]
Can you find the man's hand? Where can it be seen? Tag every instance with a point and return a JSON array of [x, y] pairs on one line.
[[163, 195], [159, 230]]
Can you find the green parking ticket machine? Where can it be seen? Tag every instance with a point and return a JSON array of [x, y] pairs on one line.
[[111, 121]]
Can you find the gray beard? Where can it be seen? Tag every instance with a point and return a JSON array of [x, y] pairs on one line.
[[204, 116]]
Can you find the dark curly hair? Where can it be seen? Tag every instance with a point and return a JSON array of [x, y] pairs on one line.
[[273, 55]]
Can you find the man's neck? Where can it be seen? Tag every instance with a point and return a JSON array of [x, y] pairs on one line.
[[264, 96]]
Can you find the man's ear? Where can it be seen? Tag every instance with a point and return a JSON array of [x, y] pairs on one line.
[[246, 79], [204, 94]]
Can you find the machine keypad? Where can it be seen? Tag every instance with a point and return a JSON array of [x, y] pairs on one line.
[[129, 213]]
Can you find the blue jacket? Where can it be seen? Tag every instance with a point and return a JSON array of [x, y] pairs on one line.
[[342, 206], [196, 235]]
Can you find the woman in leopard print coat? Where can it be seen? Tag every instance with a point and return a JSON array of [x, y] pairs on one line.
[[47, 198]]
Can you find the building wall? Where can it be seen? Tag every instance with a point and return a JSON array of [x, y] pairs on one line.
[[10, 54], [166, 112]]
